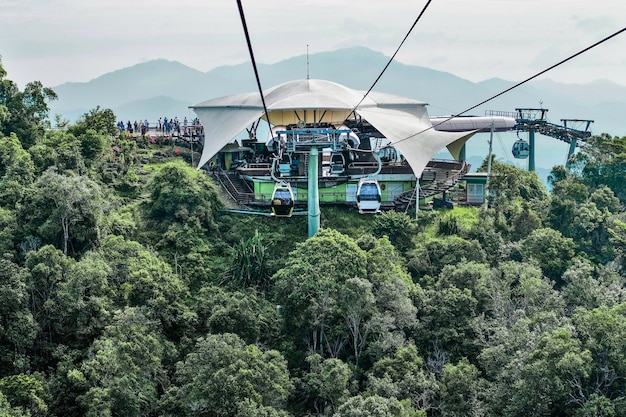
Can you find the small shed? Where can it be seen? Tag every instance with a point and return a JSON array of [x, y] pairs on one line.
[[475, 187]]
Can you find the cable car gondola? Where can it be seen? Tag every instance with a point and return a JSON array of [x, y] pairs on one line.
[[337, 164], [282, 200], [521, 149], [368, 196]]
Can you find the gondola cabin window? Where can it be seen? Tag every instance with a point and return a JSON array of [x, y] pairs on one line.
[[282, 200], [369, 192]]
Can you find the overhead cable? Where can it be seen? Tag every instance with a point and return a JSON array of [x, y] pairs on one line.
[[516, 85], [256, 72], [393, 56]]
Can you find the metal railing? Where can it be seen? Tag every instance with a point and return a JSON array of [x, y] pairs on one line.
[[436, 186], [224, 180]]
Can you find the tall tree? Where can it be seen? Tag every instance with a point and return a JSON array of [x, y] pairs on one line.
[[8, 231], [178, 193], [602, 331], [603, 162], [24, 112], [223, 371], [6, 409], [138, 277], [68, 211], [124, 368], [83, 303], [445, 322], [94, 131], [583, 213], [551, 250], [591, 286], [326, 383], [618, 239], [544, 380], [394, 317], [516, 201], [100, 120], [181, 213], [245, 313], [309, 287], [464, 391], [508, 182], [403, 375]]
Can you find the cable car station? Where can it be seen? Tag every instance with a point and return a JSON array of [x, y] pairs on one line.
[[323, 146]]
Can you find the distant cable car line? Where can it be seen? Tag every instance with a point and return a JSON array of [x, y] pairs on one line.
[[256, 72], [393, 56], [520, 149], [243, 21], [516, 85]]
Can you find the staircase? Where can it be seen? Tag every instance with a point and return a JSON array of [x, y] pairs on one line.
[[237, 188], [437, 178]]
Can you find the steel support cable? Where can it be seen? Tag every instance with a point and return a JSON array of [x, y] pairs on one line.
[[516, 85], [393, 56], [256, 72]]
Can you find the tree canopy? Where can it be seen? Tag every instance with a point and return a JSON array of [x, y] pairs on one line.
[[125, 290]]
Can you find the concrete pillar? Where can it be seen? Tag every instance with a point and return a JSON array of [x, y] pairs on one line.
[[314, 199]]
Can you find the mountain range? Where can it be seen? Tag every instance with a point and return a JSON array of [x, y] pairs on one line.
[[162, 88]]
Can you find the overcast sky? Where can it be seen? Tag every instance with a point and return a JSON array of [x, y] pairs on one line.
[[55, 41]]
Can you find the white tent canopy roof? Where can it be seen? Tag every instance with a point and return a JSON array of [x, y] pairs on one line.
[[403, 121]]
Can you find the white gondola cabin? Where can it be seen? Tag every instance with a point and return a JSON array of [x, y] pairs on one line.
[[368, 196]]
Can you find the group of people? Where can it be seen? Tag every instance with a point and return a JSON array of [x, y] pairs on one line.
[[171, 126], [167, 127], [137, 127], [164, 126]]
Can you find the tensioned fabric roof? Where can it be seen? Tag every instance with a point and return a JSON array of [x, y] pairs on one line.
[[403, 121]]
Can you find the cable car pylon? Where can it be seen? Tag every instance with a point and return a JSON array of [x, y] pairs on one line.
[[314, 198], [534, 120]]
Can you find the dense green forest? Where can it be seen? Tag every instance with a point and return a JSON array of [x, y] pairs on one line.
[[127, 290]]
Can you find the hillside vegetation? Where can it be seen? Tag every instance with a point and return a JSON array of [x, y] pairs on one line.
[[127, 290]]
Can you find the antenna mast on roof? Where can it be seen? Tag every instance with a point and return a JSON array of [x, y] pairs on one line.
[[307, 61]]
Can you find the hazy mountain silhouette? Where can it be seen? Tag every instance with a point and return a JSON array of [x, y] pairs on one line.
[[163, 88]]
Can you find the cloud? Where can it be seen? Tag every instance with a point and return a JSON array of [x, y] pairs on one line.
[[476, 40]]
